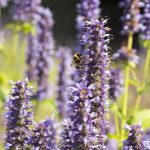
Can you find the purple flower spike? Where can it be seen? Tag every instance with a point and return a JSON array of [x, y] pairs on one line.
[[145, 21], [64, 78], [134, 140], [32, 57], [66, 136], [43, 136], [74, 134], [87, 10], [116, 84], [131, 16], [3, 3], [40, 49], [25, 10], [96, 61], [19, 115], [88, 98], [45, 50]]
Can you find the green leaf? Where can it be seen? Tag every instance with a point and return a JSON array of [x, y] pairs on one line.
[[28, 28], [144, 116]]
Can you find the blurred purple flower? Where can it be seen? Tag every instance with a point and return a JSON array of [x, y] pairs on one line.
[[19, 115], [43, 136], [25, 10], [134, 140], [116, 84], [32, 56], [40, 45], [145, 21], [40, 49], [3, 3], [45, 50], [126, 55], [131, 17], [64, 78]]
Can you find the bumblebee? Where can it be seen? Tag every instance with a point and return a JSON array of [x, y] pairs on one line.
[[78, 60]]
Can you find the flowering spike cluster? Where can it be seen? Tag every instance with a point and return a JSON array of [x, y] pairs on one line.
[[40, 48], [19, 115], [40, 45], [25, 10], [145, 21], [97, 39], [66, 136], [74, 134], [96, 63], [32, 57], [115, 84], [3, 3], [43, 136], [44, 52], [87, 10], [131, 16], [64, 78], [134, 140]]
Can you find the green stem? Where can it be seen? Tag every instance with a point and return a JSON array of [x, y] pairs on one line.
[[117, 125], [130, 42], [20, 64], [126, 88], [125, 99], [142, 84], [15, 53]]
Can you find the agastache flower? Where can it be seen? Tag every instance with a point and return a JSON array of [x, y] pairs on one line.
[[25, 10], [131, 16], [43, 136], [66, 136], [19, 115], [87, 10], [44, 51], [145, 21], [115, 84], [32, 56], [134, 140], [74, 134], [64, 78], [96, 61]]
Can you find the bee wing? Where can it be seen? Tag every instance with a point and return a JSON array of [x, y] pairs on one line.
[[72, 63]]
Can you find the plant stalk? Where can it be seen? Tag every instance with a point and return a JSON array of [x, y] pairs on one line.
[[126, 88]]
